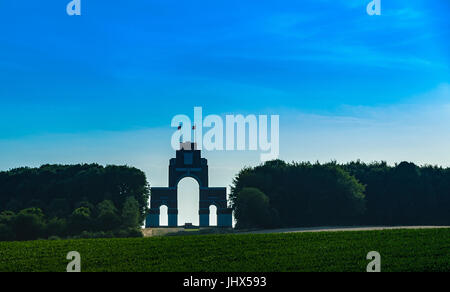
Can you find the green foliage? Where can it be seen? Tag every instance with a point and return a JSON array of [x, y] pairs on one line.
[[301, 194], [6, 217], [130, 213], [54, 237], [29, 224], [108, 219], [305, 194], [106, 207], [80, 220], [60, 189], [6, 228], [401, 250], [129, 232], [65, 200], [252, 209], [404, 194], [6, 232], [98, 234], [58, 208], [56, 226], [120, 233]]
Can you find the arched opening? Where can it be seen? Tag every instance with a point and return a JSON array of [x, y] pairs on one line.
[[188, 201], [163, 216], [212, 215]]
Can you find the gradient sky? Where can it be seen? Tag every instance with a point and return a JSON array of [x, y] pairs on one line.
[[103, 87]]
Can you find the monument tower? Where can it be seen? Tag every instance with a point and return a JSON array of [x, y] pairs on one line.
[[189, 163]]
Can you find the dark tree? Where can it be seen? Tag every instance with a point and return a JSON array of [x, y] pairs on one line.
[[130, 213], [304, 194], [72, 199], [29, 224], [252, 209]]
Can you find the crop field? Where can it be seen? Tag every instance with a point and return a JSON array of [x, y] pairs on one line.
[[401, 250]]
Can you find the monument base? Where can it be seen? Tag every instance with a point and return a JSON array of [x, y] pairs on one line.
[[224, 220], [152, 220], [204, 220]]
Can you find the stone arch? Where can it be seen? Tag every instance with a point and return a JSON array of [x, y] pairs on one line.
[[213, 215], [164, 215], [188, 196], [192, 176]]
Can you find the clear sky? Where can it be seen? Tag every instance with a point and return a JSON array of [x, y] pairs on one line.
[[103, 87]]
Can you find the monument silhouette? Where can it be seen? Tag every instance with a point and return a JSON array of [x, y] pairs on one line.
[[189, 163]]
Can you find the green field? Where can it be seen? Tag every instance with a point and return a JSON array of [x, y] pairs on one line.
[[401, 250]]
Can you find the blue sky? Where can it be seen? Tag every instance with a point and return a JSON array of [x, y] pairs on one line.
[[103, 87]]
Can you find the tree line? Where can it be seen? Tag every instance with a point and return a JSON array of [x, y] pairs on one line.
[[70, 201], [89, 200], [280, 194]]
